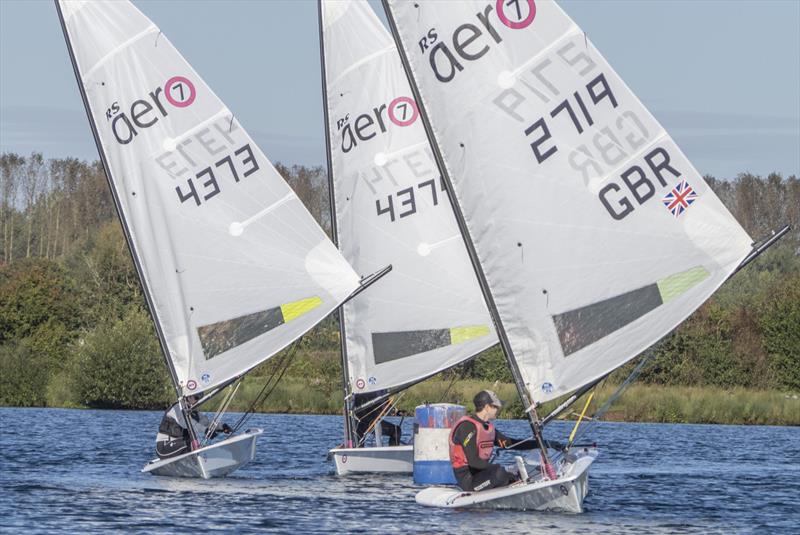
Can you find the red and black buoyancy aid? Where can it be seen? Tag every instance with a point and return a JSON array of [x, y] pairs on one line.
[[484, 440]]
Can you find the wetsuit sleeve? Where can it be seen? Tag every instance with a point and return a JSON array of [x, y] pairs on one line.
[[467, 436], [510, 443]]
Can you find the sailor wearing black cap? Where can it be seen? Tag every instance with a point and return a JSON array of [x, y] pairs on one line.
[[472, 442]]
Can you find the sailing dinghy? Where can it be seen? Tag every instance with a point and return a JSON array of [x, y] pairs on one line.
[[591, 233], [389, 205], [232, 265], [564, 493]]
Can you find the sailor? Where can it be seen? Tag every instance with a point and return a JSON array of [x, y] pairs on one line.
[[472, 443], [366, 417], [173, 436]]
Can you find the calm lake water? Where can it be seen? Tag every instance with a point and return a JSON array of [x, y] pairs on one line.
[[70, 471]]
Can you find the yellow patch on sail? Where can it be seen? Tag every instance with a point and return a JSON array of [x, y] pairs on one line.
[[674, 285], [459, 335], [295, 309]]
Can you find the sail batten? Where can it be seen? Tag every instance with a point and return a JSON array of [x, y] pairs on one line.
[[233, 266], [595, 234]]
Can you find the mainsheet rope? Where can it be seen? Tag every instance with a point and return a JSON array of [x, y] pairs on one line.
[[609, 402], [223, 408], [282, 364], [391, 402]]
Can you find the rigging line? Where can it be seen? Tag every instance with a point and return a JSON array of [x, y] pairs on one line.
[[580, 418], [447, 391], [280, 366], [632, 377], [378, 406], [392, 402], [223, 408], [613, 398], [262, 395]]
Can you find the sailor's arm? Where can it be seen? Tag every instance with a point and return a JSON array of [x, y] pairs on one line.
[[203, 419], [510, 443]]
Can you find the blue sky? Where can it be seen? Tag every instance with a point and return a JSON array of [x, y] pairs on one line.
[[723, 76]]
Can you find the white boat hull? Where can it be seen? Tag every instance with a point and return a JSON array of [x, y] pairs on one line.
[[385, 459], [216, 460], [563, 494]]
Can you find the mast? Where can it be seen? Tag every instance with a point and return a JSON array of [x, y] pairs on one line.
[[505, 344], [348, 398], [126, 230]]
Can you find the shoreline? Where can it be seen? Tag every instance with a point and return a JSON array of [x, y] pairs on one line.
[[640, 403], [409, 418]]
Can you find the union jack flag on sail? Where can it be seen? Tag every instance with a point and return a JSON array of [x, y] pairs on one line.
[[679, 199]]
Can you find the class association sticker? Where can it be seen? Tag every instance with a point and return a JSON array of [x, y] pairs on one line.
[[205, 378], [547, 387], [360, 384], [372, 380], [191, 384], [403, 111]]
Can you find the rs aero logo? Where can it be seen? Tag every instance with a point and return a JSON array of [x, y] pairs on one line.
[[128, 121], [401, 111], [475, 38]]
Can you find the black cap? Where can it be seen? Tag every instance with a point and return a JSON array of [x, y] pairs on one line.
[[486, 397]]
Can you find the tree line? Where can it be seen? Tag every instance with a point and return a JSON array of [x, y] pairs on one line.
[[74, 329]]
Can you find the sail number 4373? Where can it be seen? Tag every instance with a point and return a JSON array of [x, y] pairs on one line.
[[206, 183]]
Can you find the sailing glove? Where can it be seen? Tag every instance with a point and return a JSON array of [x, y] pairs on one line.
[[227, 429]]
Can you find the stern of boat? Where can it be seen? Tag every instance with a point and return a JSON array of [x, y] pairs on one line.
[[384, 459]]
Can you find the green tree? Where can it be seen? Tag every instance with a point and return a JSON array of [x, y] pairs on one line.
[[779, 322], [119, 365], [34, 292], [106, 274], [27, 366]]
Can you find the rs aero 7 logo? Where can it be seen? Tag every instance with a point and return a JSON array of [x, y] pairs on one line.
[[474, 38], [402, 111], [128, 121]]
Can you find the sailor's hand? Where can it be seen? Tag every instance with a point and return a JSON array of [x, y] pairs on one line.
[[227, 429]]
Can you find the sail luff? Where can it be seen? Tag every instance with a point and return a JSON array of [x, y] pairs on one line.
[[346, 386], [391, 207], [119, 208], [463, 228]]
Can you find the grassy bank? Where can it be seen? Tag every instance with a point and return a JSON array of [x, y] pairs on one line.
[[640, 403]]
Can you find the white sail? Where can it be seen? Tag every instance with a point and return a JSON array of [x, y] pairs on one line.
[[595, 233], [391, 208], [235, 266]]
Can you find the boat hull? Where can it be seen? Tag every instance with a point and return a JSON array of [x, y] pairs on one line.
[[565, 494], [217, 460], [384, 459]]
